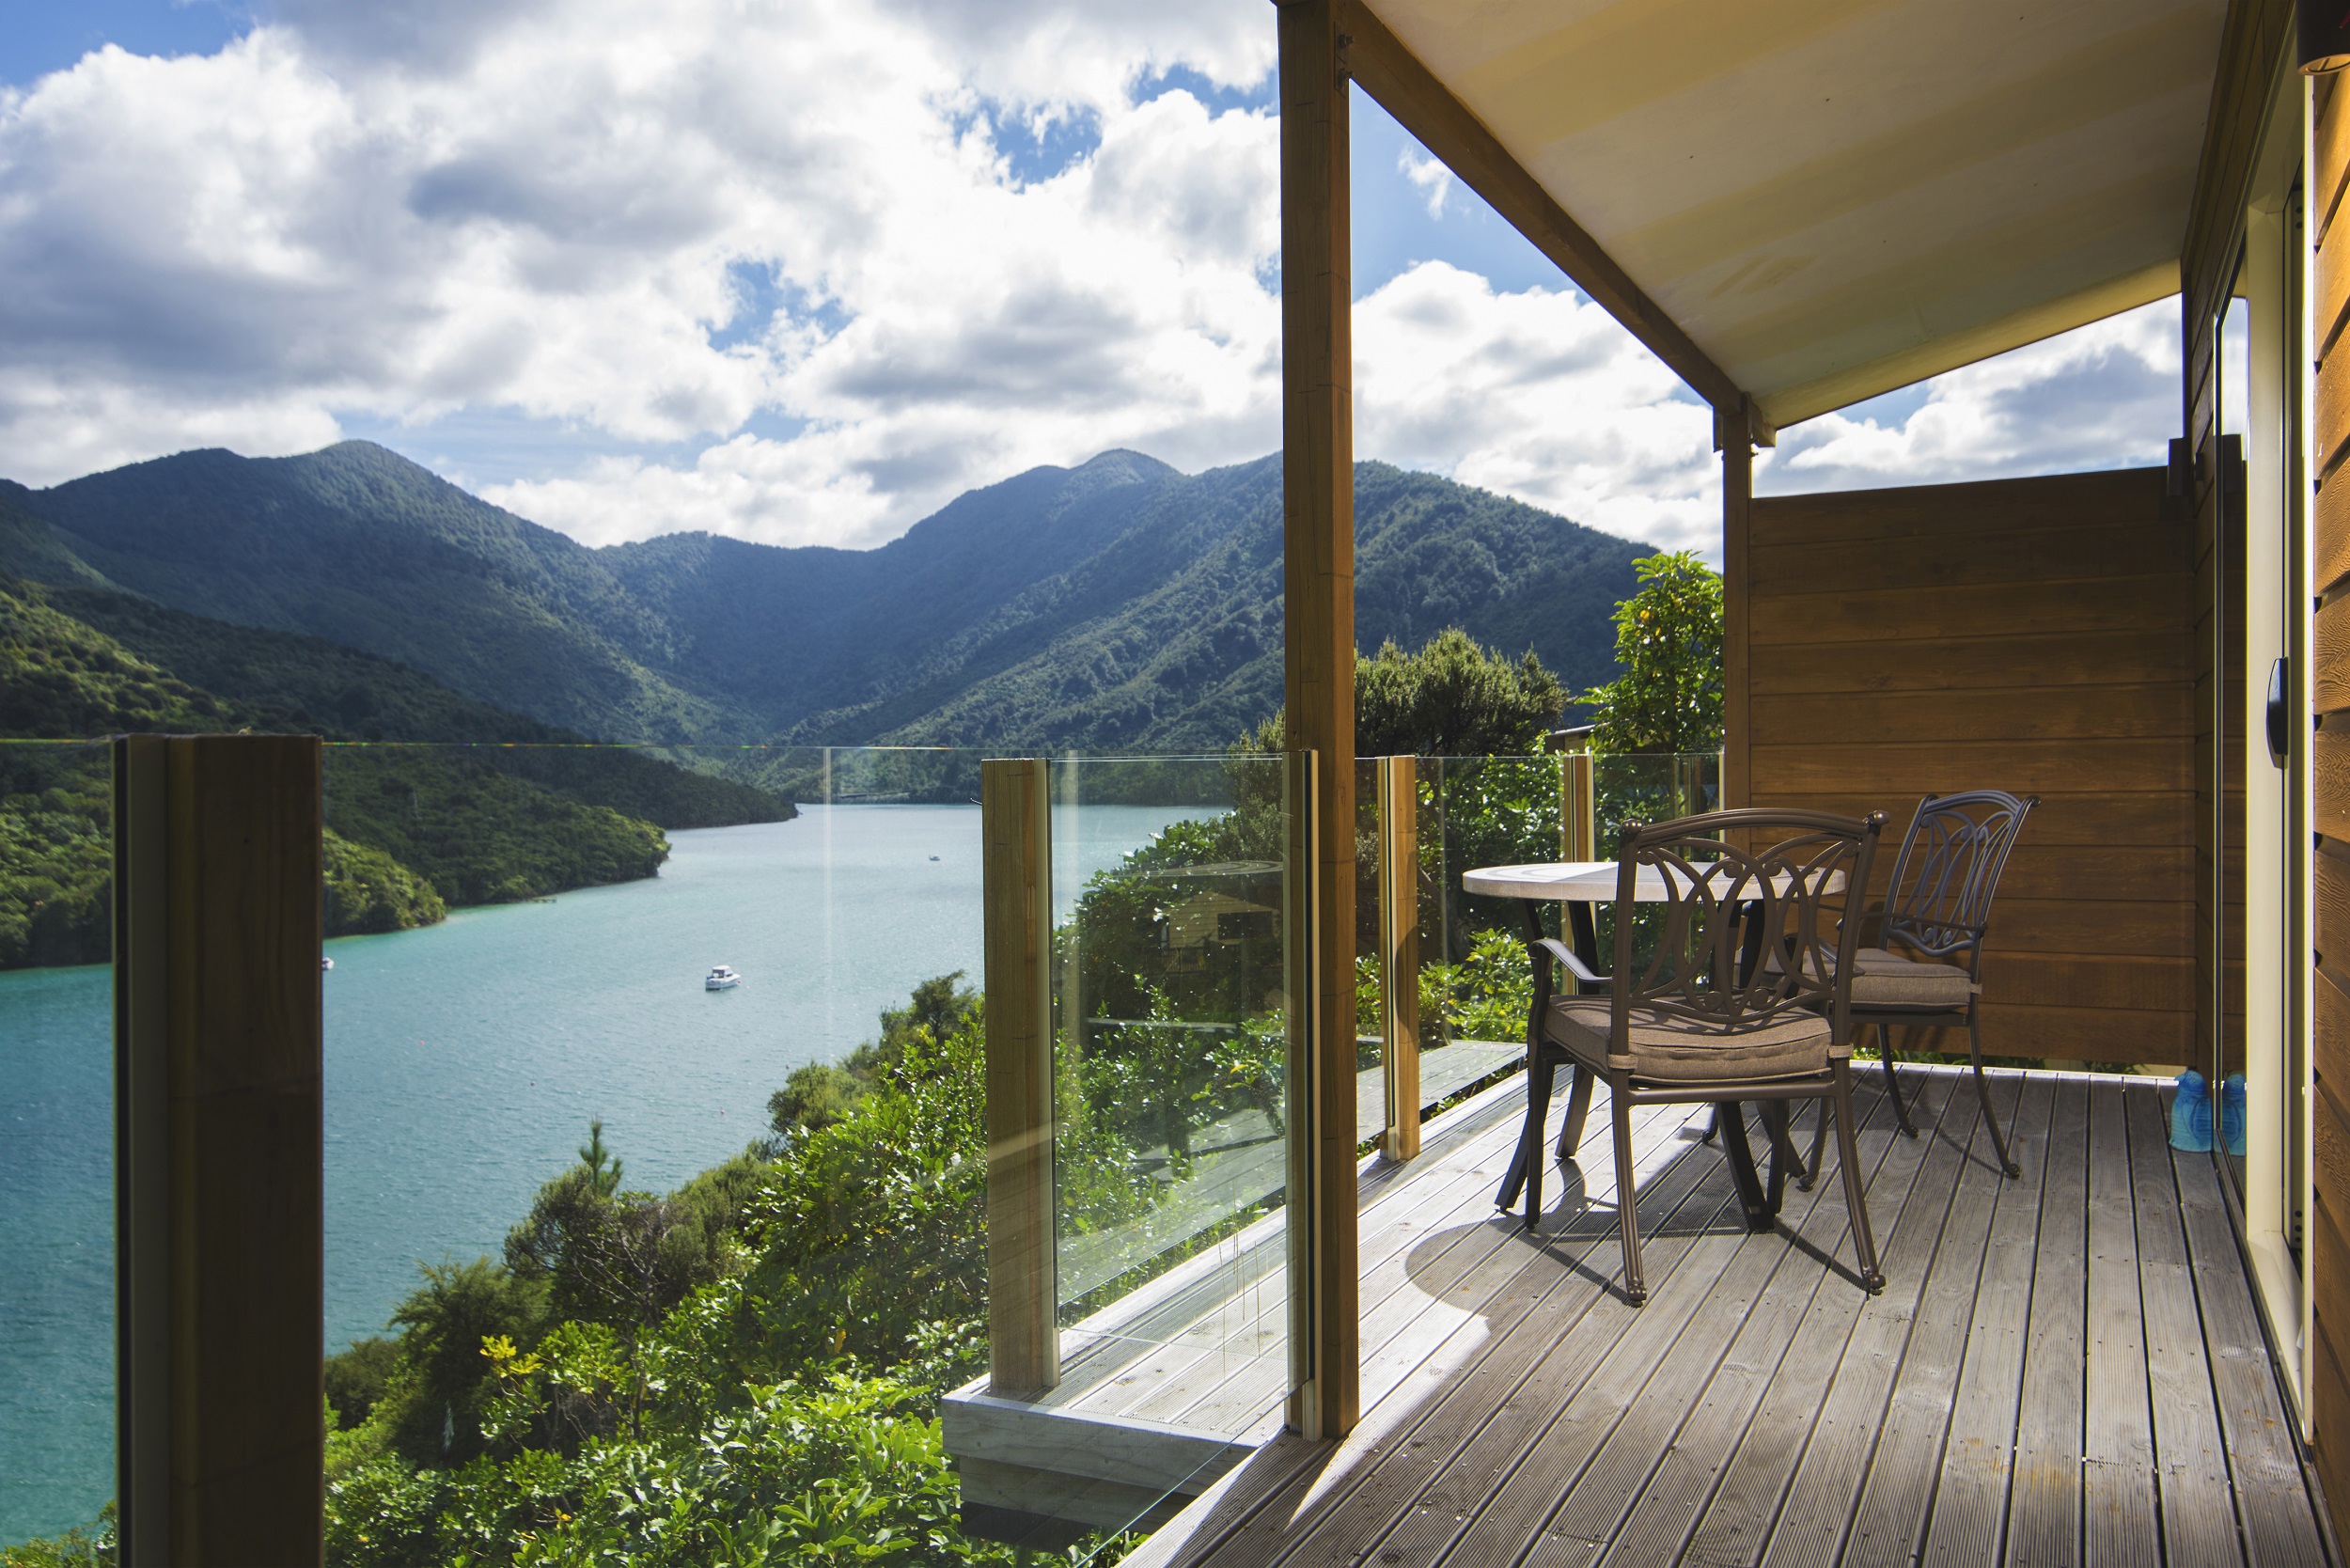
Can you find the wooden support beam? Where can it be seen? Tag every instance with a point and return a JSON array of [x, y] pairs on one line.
[[1424, 106], [1318, 600], [219, 1143], [1737, 588], [1399, 949], [1023, 1280], [1578, 809]]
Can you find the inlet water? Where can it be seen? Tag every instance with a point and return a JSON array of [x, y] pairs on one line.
[[465, 1062]]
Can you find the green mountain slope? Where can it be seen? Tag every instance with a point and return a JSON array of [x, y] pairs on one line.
[[1117, 604], [411, 828], [361, 546], [1192, 654], [286, 681]]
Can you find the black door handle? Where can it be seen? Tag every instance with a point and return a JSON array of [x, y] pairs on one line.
[[2280, 719]]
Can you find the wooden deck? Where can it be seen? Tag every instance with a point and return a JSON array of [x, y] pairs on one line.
[[2068, 1367]]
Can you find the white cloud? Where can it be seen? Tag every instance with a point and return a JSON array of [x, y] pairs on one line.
[[552, 208], [1431, 177], [1538, 394], [668, 229], [2102, 396]]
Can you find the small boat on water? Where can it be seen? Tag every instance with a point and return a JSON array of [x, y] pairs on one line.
[[325, 963], [721, 978]]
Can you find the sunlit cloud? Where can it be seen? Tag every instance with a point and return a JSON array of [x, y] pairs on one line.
[[803, 274]]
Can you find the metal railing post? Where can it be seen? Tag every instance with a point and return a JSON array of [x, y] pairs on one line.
[[1399, 950], [1023, 1279]]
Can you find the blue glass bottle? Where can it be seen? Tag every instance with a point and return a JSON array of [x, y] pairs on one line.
[[2190, 1114]]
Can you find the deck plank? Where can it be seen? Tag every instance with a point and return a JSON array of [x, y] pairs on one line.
[[1545, 1305], [1401, 1281], [1967, 1525], [2035, 1337], [1735, 1526], [1610, 1512], [2044, 1499], [1562, 1453], [2118, 1522], [1900, 1491], [2199, 1523], [1666, 1512], [1817, 1515], [2264, 1451]]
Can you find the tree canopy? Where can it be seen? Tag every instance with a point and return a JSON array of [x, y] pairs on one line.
[[1454, 697], [1669, 639]]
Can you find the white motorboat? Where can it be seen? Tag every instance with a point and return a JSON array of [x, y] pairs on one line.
[[721, 978]]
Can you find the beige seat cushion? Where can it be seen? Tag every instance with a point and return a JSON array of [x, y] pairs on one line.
[[1676, 1050], [1888, 979]]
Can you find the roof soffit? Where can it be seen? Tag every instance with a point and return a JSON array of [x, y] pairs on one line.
[[1834, 197]]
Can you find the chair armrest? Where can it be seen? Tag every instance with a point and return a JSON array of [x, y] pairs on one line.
[[1561, 953]]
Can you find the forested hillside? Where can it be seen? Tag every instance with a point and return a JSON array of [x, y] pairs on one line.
[[1117, 603], [364, 547], [411, 828]]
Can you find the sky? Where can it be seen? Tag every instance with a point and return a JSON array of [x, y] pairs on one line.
[[803, 271]]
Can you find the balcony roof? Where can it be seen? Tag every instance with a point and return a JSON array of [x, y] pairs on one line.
[[1832, 199]]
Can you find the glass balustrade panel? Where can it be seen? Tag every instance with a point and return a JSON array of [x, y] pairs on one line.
[[56, 1140], [1171, 1112]]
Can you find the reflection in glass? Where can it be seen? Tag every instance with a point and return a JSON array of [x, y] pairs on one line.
[[56, 1137]]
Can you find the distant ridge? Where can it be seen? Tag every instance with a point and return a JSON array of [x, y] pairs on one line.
[[1117, 604]]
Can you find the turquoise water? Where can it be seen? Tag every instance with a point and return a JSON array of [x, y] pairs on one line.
[[465, 1062], [57, 1248]]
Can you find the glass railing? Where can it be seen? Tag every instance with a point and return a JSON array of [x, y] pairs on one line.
[[56, 1139], [1170, 1116], [657, 1117], [641, 1135]]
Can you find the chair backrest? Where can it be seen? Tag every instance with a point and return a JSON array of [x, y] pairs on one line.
[[1793, 887], [1939, 900]]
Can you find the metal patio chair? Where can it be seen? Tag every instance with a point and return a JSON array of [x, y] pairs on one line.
[[1696, 1019], [1937, 908]]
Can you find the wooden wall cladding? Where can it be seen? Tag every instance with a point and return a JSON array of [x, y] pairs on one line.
[[2328, 1228], [2030, 634]]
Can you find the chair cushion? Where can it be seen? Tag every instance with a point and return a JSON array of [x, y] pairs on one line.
[[1887, 980], [1678, 1050]]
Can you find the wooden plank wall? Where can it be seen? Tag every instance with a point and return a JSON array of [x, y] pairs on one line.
[[2027, 634], [2327, 1239]]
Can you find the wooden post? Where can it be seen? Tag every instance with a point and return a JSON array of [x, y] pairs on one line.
[[1023, 1277], [1578, 809], [1734, 434], [1318, 602], [219, 911], [1399, 950]]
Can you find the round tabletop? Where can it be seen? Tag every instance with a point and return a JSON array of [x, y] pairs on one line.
[[1579, 882], [1562, 881]]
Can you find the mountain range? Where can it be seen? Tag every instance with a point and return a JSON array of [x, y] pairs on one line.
[[1119, 604]]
